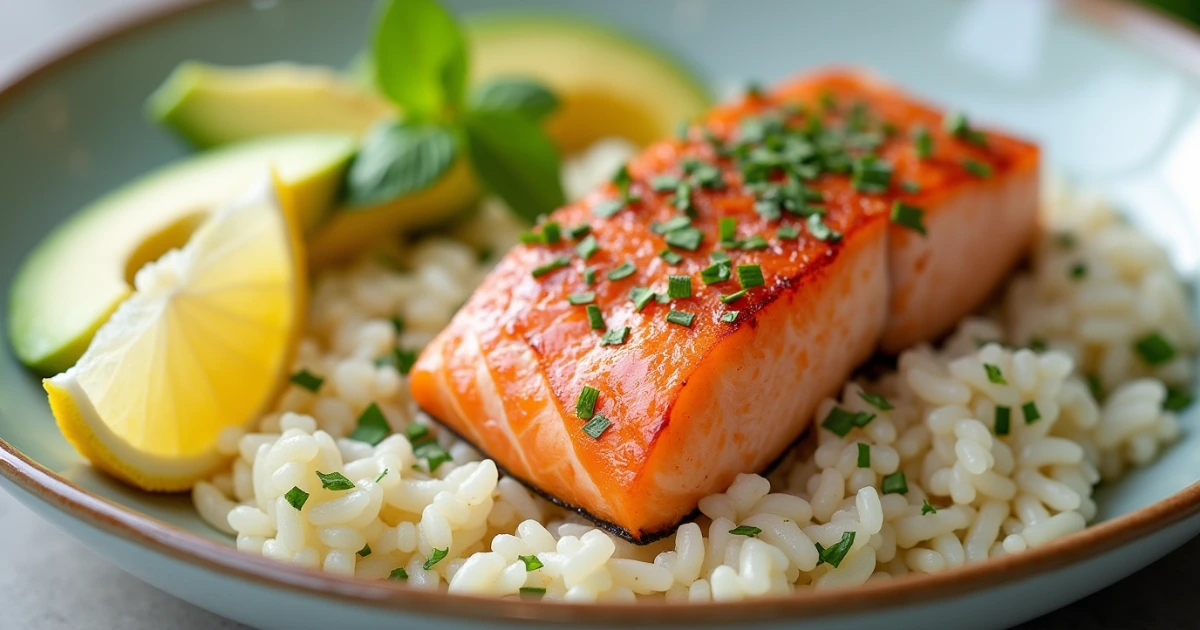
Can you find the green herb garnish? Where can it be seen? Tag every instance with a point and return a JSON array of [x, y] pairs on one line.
[[927, 508], [750, 276], [615, 337], [835, 554], [923, 142], [596, 426], [307, 380], [679, 287], [788, 232], [688, 238], [681, 318], [438, 556], [381, 475], [870, 174], [733, 297], [626, 269], [664, 183], [433, 454], [531, 563], [608, 208], [296, 497], [894, 483], [1003, 420], [1177, 400], [579, 299], [589, 276], [557, 263], [1154, 349], [908, 216], [372, 427], [840, 422], [641, 296], [398, 574], [822, 232], [1078, 271], [876, 401], [587, 247], [671, 257], [334, 481], [977, 168], [585, 404], [595, 318], [730, 316], [864, 455], [745, 530], [1030, 412], [993, 374], [365, 551], [533, 592]]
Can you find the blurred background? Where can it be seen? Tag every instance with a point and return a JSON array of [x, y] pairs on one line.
[[1186, 9]]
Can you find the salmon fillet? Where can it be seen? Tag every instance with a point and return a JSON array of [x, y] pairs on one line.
[[684, 406]]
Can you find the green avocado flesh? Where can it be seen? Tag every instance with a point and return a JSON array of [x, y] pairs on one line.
[[79, 273]]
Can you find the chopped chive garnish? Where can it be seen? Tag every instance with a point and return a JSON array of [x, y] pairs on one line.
[[1154, 349], [682, 200], [927, 508], [727, 227], [745, 530], [1177, 400], [679, 287], [754, 90], [671, 257], [730, 317], [1003, 420], [381, 475], [596, 426], [733, 297], [870, 174], [863, 418], [687, 238], [1078, 271], [1066, 240], [551, 232], [579, 231], [715, 273], [433, 454], [438, 555], [839, 421], [334, 481], [835, 554], [589, 276], [993, 374], [307, 380], [977, 168], [753, 242], [923, 142], [956, 124], [788, 232], [876, 401], [681, 318], [1095, 386], [531, 563], [398, 574], [822, 232], [672, 224], [1030, 411], [719, 257], [365, 551], [908, 216], [894, 483], [615, 337], [585, 404], [557, 263], [532, 591], [372, 426], [626, 269], [664, 183], [641, 296], [578, 299], [621, 178], [397, 323], [910, 186], [595, 318], [417, 433], [864, 455], [296, 497], [405, 359], [587, 247], [530, 238], [1037, 344], [608, 208], [750, 276]]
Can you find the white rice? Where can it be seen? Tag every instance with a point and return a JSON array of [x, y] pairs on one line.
[[993, 494]]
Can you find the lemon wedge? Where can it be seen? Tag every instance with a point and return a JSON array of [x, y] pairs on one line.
[[204, 343]]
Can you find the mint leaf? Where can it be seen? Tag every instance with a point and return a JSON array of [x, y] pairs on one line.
[[397, 159], [520, 95], [420, 57], [516, 160]]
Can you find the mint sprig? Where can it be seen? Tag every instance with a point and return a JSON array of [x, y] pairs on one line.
[[420, 63]]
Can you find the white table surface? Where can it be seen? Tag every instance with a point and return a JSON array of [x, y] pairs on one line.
[[49, 581]]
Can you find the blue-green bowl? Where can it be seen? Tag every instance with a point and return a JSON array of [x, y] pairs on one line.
[[1112, 93]]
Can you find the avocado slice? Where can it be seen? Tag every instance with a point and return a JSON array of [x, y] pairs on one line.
[[78, 274], [213, 105], [609, 84]]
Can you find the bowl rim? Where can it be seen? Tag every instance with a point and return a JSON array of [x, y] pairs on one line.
[[1174, 42]]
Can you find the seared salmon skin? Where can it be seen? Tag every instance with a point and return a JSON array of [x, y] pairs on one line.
[[680, 325]]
